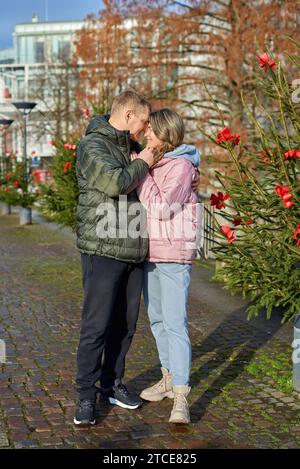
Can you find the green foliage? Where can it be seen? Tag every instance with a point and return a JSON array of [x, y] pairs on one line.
[[263, 259], [7, 195], [14, 188], [58, 200], [276, 366]]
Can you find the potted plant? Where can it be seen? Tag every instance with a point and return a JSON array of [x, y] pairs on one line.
[[8, 195], [18, 191], [26, 201]]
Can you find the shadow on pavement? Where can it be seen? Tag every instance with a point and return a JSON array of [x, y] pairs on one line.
[[234, 333]]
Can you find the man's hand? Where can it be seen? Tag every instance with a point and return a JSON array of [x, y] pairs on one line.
[[196, 180], [146, 155], [134, 155]]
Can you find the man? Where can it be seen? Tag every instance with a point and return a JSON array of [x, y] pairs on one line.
[[112, 266]]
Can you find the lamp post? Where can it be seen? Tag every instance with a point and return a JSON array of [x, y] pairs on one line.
[[5, 208], [25, 107], [6, 123]]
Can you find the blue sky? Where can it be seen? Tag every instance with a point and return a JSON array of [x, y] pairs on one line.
[[20, 11]]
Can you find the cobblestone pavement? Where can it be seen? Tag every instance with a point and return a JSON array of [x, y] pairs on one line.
[[40, 310]]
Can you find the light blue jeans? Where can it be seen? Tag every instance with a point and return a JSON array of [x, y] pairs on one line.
[[166, 289]]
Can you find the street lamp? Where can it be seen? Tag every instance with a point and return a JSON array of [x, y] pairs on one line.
[[6, 123], [25, 107]]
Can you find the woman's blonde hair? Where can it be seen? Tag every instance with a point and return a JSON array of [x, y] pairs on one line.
[[168, 126]]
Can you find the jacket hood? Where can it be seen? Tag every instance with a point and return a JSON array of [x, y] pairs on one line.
[[189, 152], [100, 125]]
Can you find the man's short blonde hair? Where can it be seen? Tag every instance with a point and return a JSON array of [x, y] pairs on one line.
[[132, 100]]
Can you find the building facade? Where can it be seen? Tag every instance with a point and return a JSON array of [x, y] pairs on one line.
[[40, 49]]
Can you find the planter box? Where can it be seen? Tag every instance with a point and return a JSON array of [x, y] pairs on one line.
[[5, 209], [296, 354], [25, 216]]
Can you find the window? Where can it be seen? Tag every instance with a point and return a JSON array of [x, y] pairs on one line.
[[64, 50], [39, 52]]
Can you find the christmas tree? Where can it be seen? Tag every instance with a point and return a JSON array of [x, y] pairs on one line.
[[15, 187], [58, 199], [258, 208]]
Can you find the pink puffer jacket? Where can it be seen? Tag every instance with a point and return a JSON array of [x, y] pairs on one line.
[[173, 211]]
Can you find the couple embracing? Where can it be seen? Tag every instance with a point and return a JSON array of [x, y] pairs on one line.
[[155, 257]]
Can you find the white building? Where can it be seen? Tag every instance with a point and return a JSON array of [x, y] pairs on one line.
[[38, 46]]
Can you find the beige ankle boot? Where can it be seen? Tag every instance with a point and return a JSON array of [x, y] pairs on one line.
[[180, 412], [160, 390]]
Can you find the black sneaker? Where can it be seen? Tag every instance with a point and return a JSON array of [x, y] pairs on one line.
[[119, 395], [85, 412]]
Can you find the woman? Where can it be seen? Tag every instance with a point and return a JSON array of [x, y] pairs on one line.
[[172, 218]]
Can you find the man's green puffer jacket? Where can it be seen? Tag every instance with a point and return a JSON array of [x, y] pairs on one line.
[[104, 172]]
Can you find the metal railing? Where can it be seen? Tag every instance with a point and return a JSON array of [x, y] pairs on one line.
[[207, 234]]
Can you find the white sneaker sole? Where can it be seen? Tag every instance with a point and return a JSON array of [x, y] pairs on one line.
[[79, 422], [179, 421], [121, 404], [157, 397]]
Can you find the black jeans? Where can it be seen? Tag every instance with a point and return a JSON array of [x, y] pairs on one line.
[[112, 293]]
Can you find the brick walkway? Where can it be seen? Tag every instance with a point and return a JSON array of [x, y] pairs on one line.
[[40, 310]]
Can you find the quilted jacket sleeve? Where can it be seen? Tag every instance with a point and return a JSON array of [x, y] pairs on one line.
[[105, 172]]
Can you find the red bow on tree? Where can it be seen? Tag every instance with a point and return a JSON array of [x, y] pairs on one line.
[[225, 136], [284, 193], [292, 154], [86, 113], [67, 166], [230, 235], [69, 146], [218, 200], [297, 235], [238, 221], [265, 61]]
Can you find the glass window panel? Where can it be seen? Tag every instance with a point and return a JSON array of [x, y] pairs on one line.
[[39, 51]]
